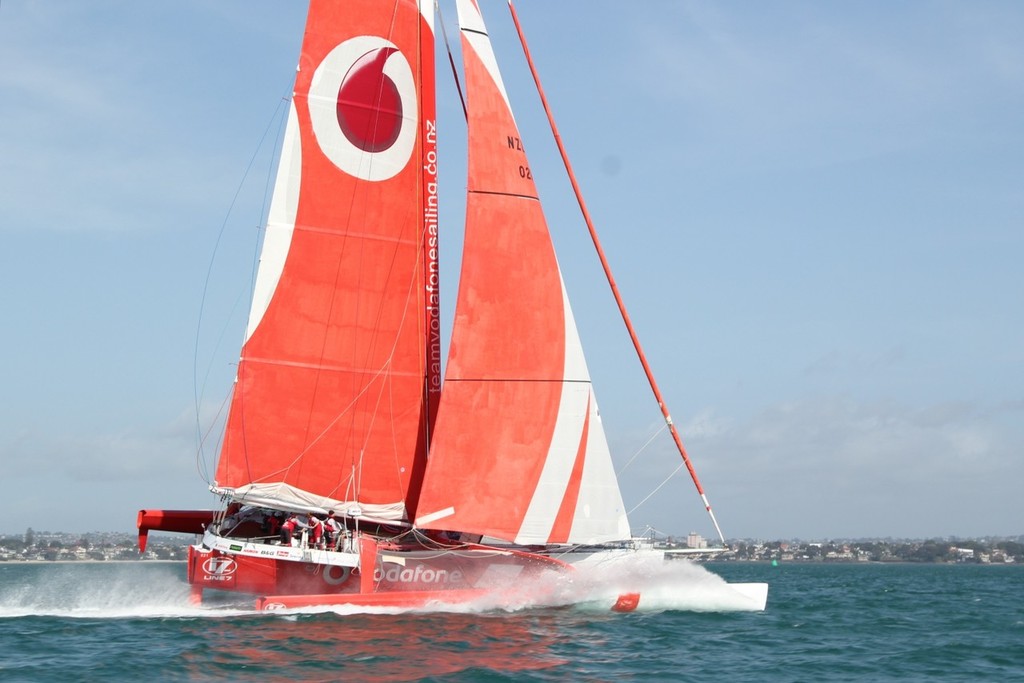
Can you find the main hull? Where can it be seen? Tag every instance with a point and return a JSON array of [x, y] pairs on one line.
[[374, 572], [368, 572]]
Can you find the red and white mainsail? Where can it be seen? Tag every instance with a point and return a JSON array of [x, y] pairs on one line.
[[519, 452], [340, 364]]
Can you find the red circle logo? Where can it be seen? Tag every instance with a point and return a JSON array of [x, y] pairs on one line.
[[363, 108]]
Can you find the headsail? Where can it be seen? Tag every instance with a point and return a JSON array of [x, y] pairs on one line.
[[519, 452], [331, 406]]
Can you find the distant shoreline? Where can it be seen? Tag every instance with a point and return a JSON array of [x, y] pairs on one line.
[[11, 562], [778, 563]]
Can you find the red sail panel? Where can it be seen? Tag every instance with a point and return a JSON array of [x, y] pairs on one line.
[[501, 396], [518, 452], [329, 404]]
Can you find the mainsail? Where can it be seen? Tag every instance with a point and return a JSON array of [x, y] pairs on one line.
[[339, 369], [519, 452]]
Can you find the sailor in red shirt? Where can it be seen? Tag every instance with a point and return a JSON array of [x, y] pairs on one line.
[[316, 531], [332, 531], [288, 528]]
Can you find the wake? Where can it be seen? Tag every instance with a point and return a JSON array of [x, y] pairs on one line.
[[133, 591], [100, 592], [662, 585], [596, 585]]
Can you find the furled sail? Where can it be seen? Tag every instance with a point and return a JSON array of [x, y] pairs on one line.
[[331, 403], [519, 452]]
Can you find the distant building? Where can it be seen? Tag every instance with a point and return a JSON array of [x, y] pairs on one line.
[[963, 554], [695, 540]]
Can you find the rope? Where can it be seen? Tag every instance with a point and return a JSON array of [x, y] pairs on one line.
[[658, 487], [641, 450]]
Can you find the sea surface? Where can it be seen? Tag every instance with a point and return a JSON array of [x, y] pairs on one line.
[[824, 622]]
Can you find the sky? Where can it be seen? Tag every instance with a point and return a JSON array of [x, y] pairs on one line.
[[814, 212]]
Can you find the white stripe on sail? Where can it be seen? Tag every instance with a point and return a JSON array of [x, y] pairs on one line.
[[280, 223], [424, 520], [599, 487], [474, 30]]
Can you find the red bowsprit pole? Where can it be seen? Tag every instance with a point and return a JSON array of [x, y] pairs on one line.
[[611, 280]]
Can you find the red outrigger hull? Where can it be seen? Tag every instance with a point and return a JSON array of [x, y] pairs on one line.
[[400, 599]]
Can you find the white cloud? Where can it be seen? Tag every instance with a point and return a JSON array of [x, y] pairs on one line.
[[837, 466], [105, 478]]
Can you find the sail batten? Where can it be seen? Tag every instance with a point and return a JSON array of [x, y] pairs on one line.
[[318, 366], [504, 194]]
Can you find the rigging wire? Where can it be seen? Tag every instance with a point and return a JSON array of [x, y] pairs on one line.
[[198, 388], [641, 449], [658, 488]]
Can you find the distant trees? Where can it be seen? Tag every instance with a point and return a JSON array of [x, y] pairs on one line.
[[931, 551], [874, 551], [1011, 548], [14, 545]]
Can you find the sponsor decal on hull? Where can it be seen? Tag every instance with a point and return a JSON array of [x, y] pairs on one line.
[[219, 569]]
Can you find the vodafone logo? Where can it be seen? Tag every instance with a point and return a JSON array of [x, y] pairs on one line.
[[219, 568], [419, 574], [363, 109]]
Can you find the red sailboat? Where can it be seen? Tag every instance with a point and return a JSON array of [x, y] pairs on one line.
[[442, 491]]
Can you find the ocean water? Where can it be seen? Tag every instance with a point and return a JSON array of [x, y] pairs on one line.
[[824, 622]]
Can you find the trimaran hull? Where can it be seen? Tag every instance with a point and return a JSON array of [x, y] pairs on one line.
[[367, 571], [339, 404]]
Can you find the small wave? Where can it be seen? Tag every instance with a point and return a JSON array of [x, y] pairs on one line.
[[99, 591]]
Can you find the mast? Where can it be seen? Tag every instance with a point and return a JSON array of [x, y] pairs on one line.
[[431, 239], [611, 280]]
